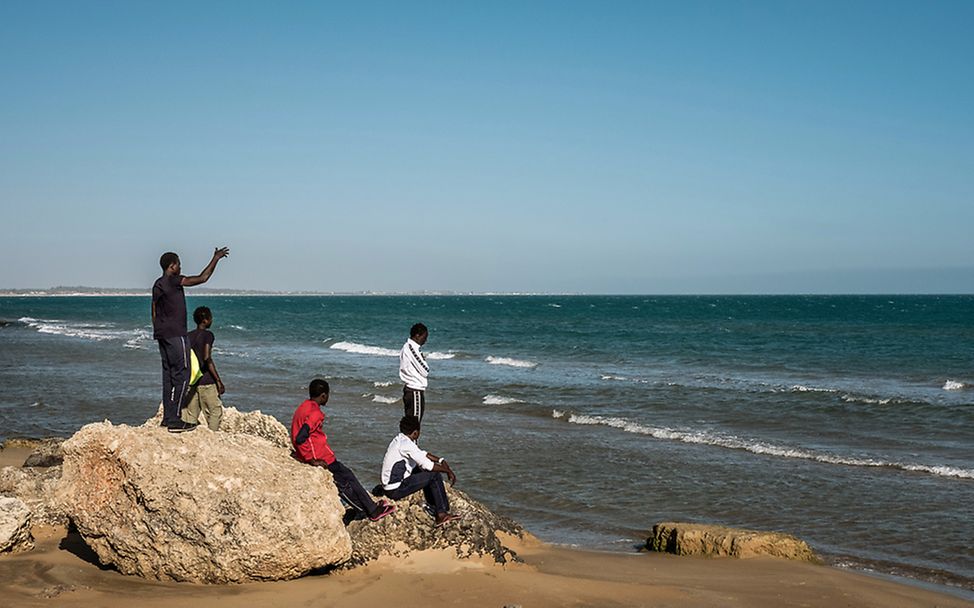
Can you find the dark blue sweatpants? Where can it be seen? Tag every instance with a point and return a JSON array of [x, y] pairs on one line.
[[175, 376], [432, 486], [350, 488]]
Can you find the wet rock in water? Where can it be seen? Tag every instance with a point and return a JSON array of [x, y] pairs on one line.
[[236, 422], [36, 486], [14, 526], [720, 541], [200, 506], [411, 528]]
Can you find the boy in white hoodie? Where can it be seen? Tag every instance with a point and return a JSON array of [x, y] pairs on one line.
[[413, 371]]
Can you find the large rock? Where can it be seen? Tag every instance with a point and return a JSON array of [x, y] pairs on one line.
[[36, 487], [200, 506], [411, 528], [14, 526], [236, 422], [719, 541]]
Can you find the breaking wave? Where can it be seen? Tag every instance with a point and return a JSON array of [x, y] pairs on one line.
[[757, 447], [379, 351], [510, 362], [98, 332], [500, 400]]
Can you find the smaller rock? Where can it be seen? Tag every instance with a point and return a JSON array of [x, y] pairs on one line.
[[55, 590], [35, 486], [720, 541], [47, 453], [14, 526]]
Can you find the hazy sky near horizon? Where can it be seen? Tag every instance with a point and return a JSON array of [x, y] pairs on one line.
[[684, 147]]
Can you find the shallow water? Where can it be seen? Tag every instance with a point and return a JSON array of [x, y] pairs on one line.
[[845, 420]]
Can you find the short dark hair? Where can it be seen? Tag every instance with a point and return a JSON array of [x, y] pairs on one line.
[[408, 424], [202, 313], [168, 259], [318, 387], [418, 330]]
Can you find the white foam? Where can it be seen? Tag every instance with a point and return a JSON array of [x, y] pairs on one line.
[[382, 384], [379, 351], [614, 378], [500, 400], [868, 400], [557, 414], [510, 362], [555, 305], [800, 388], [230, 353], [238, 327], [758, 447], [382, 399], [99, 332], [139, 339], [364, 349], [953, 385]]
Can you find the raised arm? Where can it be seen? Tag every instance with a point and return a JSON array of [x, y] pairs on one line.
[[204, 276]]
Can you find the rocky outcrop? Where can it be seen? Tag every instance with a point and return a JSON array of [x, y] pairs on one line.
[[719, 541], [14, 526], [411, 528], [46, 452], [235, 422], [201, 506], [36, 487]]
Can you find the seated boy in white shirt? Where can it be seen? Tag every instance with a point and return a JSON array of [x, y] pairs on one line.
[[407, 469]]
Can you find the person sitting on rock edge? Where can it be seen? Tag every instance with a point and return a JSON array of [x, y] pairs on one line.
[[311, 446], [407, 469]]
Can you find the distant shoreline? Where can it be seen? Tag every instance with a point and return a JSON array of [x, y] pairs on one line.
[[94, 292], [197, 292]]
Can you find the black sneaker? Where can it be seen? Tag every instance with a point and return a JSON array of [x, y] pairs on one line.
[[180, 426]]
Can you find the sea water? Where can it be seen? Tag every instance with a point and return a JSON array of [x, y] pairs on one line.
[[845, 420]]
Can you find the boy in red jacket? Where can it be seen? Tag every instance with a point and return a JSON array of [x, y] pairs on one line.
[[311, 446]]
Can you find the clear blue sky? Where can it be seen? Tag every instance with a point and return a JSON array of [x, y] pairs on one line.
[[585, 147]]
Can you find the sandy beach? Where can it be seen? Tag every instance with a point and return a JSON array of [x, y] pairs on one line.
[[64, 570]]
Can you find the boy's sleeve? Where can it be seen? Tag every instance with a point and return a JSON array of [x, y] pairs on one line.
[[315, 419], [419, 457]]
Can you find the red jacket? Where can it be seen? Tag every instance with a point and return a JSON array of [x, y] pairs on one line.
[[309, 441]]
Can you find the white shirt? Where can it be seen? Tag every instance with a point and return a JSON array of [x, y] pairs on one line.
[[413, 369], [402, 456]]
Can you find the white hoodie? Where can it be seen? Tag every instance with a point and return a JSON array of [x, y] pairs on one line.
[[413, 369]]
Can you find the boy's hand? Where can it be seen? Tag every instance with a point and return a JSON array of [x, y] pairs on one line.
[[450, 475], [220, 389], [221, 252]]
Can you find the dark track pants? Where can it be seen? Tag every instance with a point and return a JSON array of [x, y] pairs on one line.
[[432, 486], [351, 490], [175, 376], [414, 402]]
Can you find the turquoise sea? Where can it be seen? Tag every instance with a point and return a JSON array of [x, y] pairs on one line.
[[845, 420]]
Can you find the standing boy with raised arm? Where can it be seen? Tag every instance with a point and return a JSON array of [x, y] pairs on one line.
[[413, 371], [169, 329]]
